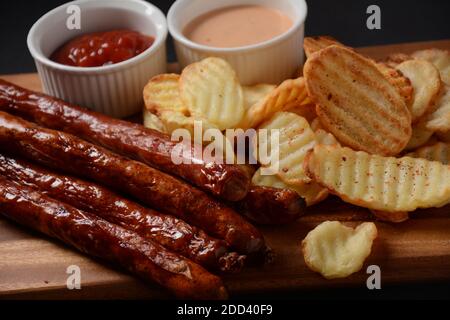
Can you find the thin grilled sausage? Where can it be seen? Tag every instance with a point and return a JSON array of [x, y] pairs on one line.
[[271, 206], [227, 181], [174, 234], [100, 238], [158, 190]]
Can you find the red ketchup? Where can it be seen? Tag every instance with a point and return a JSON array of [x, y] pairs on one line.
[[102, 48]]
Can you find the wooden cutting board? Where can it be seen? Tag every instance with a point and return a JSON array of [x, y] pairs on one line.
[[34, 267]]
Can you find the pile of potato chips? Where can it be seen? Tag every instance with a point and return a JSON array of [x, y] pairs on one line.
[[376, 134]]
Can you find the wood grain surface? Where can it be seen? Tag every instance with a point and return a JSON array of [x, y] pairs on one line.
[[34, 267]]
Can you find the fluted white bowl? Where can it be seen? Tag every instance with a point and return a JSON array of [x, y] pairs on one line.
[[115, 89], [271, 61]]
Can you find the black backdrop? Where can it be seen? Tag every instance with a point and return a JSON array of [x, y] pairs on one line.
[[402, 21]]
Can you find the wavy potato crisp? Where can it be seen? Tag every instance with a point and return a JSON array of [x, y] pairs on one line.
[[380, 183], [337, 251], [356, 103]]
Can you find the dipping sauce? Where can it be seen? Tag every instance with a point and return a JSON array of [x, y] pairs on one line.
[[102, 48], [237, 26]]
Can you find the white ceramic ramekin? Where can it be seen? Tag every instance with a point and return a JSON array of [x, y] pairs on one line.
[[115, 89], [271, 61]]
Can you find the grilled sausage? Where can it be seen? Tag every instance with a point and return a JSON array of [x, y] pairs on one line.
[[271, 206], [97, 237], [158, 190], [174, 234], [154, 148]]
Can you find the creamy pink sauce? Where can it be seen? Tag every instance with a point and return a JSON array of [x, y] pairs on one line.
[[237, 26]]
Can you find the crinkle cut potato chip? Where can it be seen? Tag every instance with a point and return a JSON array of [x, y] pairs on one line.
[[337, 251], [162, 98], [254, 94], [439, 58], [314, 44], [439, 119], [379, 183], [175, 120], [316, 125], [426, 82], [326, 138], [211, 90], [311, 192], [152, 121], [356, 103], [323, 136], [420, 135], [439, 151], [290, 92], [161, 94], [399, 81], [307, 111], [394, 59], [295, 139]]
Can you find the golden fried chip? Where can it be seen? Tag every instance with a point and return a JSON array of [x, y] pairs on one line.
[[311, 192], [162, 98], [439, 58], [335, 250], [314, 44], [399, 81], [439, 119], [316, 125], [256, 93], [290, 92], [439, 151], [379, 183], [176, 120], [426, 83], [395, 217], [307, 111], [393, 60], [211, 90], [323, 136], [326, 138], [295, 139], [152, 121], [161, 94], [356, 103], [420, 135]]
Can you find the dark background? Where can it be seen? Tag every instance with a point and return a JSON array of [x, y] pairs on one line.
[[402, 21]]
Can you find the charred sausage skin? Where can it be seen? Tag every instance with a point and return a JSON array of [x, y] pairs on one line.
[[271, 206], [100, 238], [161, 191], [174, 234], [226, 181]]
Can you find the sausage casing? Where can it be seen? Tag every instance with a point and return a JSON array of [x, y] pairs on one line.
[[174, 234], [271, 206], [154, 148], [100, 238], [158, 190]]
